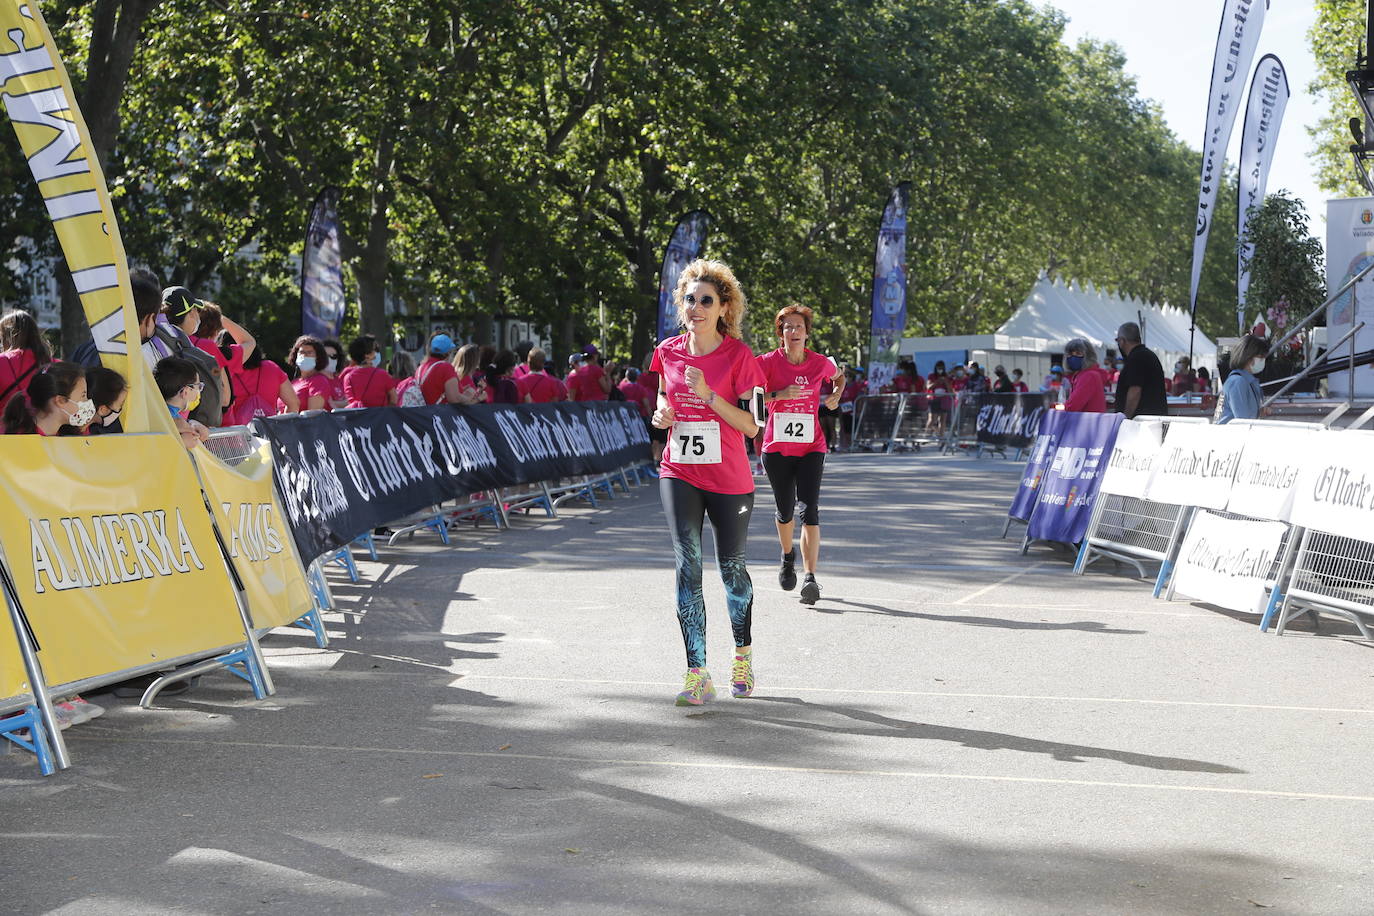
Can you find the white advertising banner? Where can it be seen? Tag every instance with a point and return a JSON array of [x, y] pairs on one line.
[[1241, 22], [1258, 137], [1138, 447], [1335, 488], [1226, 562], [1196, 465], [1350, 249], [1267, 477]]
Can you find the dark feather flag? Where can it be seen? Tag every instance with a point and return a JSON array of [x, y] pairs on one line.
[[322, 291], [683, 248], [889, 290]]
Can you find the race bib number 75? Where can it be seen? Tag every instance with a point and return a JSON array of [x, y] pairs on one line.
[[696, 443]]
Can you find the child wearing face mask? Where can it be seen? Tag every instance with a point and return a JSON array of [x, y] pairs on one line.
[[55, 397], [179, 383], [107, 390]]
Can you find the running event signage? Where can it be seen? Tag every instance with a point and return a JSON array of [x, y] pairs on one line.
[[683, 248], [1258, 137], [1068, 489], [1023, 503], [342, 474], [322, 291], [889, 290], [1009, 420], [1237, 37]]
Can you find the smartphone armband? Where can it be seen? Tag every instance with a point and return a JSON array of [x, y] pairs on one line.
[[756, 406]]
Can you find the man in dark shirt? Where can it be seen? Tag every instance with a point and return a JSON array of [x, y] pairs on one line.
[[1140, 390]]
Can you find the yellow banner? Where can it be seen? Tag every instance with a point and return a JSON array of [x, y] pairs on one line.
[[14, 680], [112, 553], [255, 532], [42, 107]]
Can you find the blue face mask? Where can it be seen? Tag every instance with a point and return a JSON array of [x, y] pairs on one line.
[[1074, 363]]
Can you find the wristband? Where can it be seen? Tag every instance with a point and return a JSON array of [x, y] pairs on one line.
[[711, 400]]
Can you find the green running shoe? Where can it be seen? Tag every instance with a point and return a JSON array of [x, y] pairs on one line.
[[696, 688], [742, 677]]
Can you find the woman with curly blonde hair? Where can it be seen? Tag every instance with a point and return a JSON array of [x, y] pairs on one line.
[[703, 375]]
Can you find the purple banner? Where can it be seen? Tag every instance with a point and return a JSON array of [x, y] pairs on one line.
[[1069, 485], [889, 290], [1041, 450], [322, 290], [683, 248]]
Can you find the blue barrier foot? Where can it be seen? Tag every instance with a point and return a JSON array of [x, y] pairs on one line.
[[311, 621], [370, 543], [25, 729]]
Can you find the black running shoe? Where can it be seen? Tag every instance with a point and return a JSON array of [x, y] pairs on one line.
[[810, 592], [787, 575]]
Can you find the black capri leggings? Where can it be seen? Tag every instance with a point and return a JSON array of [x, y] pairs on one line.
[[796, 480]]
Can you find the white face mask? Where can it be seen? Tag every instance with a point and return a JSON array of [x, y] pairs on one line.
[[305, 363], [1257, 365], [376, 359], [85, 412], [110, 419]]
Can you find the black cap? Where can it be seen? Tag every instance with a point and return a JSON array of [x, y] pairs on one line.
[[179, 301]]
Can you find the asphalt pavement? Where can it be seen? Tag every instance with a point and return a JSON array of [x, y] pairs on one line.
[[954, 728]]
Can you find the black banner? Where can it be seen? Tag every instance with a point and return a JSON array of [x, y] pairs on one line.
[[342, 474], [1009, 420]]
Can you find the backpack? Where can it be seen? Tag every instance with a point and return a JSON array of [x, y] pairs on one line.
[[413, 396], [245, 409], [210, 410]]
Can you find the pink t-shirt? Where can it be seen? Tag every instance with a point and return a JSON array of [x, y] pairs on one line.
[[317, 385], [586, 384], [815, 370], [636, 394], [541, 388], [366, 386], [16, 371], [231, 363], [263, 381], [433, 376], [732, 373]]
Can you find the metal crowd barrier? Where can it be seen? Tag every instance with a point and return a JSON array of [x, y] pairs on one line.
[[1127, 529], [887, 422], [232, 444]]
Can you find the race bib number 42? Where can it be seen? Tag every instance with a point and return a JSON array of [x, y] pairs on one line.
[[696, 443], [794, 427]]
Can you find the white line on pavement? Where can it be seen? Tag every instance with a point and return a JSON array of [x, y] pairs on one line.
[[744, 767], [1012, 578]]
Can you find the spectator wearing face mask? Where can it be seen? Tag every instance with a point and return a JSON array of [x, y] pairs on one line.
[[334, 370], [1087, 382], [24, 353], [1018, 382], [312, 386], [365, 383], [1241, 395], [108, 391], [54, 397], [180, 385]]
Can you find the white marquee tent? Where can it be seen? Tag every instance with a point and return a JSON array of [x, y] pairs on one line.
[[1058, 312]]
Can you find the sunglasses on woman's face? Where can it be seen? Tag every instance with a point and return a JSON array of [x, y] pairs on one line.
[[704, 301]]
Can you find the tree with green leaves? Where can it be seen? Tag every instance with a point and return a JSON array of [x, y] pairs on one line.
[[1287, 279]]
